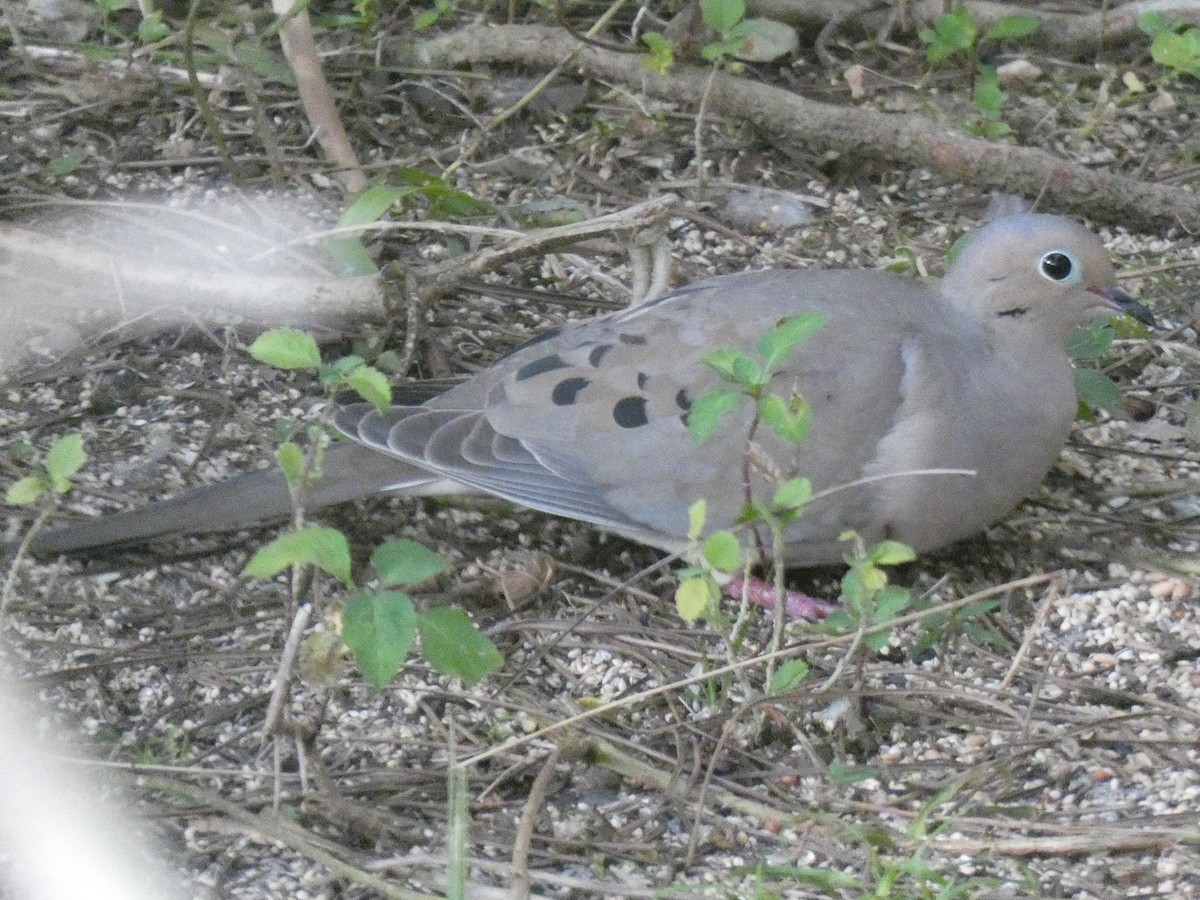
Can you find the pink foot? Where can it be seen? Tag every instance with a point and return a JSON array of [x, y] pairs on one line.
[[798, 606]]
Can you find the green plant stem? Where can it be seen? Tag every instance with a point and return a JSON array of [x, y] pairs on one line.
[[201, 98], [22, 551]]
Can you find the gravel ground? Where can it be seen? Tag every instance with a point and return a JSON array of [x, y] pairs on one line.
[[1048, 747]]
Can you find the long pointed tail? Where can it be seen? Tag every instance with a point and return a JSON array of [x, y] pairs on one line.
[[350, 471]]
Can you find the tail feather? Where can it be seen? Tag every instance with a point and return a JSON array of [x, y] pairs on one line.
[[350, 471]]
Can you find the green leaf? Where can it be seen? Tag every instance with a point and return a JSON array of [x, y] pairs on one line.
[[1155, 23], [877, 641], [64, 459], [692, 598], [789, 421], [890, 602], [152, 29], [314, 545], [792, 493], [1180, 52], [844, 774], [707, 412], [63, 165], [788, 676], [891, 553], [291, 460], [371, 205], [662, 52], [722, 15], [723, 552], [445, 202], [287, 349], [988, 97], [1011, 27], [735, 366], [372, 385], [405, 562], [379, 629], [265, 63], [777, 344], [697, 514], [1091, 341], [1097, 390], [722, 48], [872, 578], [952, 32], [25, 491], [454, 646]]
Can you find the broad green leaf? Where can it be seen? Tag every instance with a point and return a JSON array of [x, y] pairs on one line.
[[1010, 27], [790, 421], [735, 366], [872, 578], [1097, 390], [25, 491], [878, 641], [1155, 23], [697, 515], [291, 460], [445, 202], [983, 635], [707, 412], [370, 206], [662, 52], [764, 40], [372, 385], [1176, 51], [719, 49], [266, 64], [65, 458], [63, 165], [891, 553], [792, 493], [405, 562], [452, 644], [287, 349], [988, 97], [691, 598], [722, 15], [723, 552], [891, 600], [788, 676], [778, 343], [379, 629], [1091, 341], [314, 545]]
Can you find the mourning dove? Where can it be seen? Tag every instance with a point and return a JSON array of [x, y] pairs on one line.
[[589, 421]]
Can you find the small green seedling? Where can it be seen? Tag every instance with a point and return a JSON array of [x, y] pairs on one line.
[[956, 34], [64, 459], [1174, 45], [870, 600], [379, 625]]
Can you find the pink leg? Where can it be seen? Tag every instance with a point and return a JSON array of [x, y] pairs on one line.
[[798, 606]]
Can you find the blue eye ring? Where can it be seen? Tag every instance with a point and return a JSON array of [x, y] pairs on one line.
[[1061, 267]]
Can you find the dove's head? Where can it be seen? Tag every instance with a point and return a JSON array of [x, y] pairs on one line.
[[1036, 274]]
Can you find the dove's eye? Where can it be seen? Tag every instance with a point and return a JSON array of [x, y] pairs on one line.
[[1061, 267]]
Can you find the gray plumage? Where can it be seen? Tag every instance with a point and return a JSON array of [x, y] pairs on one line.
[[590, 421]]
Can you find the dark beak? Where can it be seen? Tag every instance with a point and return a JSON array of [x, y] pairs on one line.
[[1120, 302]]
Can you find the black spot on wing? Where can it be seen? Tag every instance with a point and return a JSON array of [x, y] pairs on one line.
[[630, 412], [642, 379], [682, 400], [632, 340], [540, 366], [597, 354], [566, 392]]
